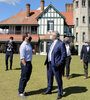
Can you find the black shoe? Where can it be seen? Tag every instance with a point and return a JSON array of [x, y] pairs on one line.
[[26, 94], [47, 92], [10, 68], [59, 97], [6, 70]]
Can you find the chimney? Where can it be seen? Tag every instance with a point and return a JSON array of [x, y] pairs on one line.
[[27, 10], [42, 5], [69, 7]]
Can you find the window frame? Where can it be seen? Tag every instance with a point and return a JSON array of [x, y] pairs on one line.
[[77, 4], [77, 21], [83, 3], [48, 25], [83, 37], [76, 36], [83, 19]]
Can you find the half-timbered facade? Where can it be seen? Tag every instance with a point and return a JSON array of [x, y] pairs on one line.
[[50, 20]]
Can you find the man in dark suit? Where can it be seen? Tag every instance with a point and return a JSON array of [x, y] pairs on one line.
[[10, 47], [85, 57], [54, 61], [68, 57]]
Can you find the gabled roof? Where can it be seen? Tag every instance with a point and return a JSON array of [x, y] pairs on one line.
[[20, 18], [18, 38], [69, 17], [53, 8]]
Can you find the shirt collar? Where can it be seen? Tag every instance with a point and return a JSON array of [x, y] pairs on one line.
[[25, 42], [55, 41]]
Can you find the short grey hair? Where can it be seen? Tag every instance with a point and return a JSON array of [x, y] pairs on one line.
[[57, 34]]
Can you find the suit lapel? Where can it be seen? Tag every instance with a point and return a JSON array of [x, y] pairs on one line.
[[55, 46], [50, 46]]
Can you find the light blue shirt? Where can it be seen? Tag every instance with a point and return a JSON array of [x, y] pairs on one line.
[[26, 51]]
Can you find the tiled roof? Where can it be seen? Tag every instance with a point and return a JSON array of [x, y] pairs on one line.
[[20, 18], [69, 17], [35, 38]]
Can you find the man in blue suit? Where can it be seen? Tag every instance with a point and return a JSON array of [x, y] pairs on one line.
[[85, 57], [54, 61]]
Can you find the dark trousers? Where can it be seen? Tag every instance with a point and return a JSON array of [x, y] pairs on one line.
[[67, 64], [86, 68], [9, 54], [25, 76], [52, 71]]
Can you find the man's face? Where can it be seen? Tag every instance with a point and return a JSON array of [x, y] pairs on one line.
[[53, 36], [29, 38]]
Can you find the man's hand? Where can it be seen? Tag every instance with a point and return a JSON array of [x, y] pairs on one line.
[[81, 61], [24, 62]]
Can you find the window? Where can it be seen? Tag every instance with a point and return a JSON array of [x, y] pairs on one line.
[[76, 21], [83, 37], [18, 30], [77, 4], [76, 37], [89, 3], [83, 3], [83, 19], [50, 25], [89, 20], [33, 30]]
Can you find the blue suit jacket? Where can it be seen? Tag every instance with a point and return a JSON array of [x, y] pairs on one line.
[[58, 54], [84, 54]]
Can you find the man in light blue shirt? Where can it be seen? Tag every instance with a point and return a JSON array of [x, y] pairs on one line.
[[26, 66]]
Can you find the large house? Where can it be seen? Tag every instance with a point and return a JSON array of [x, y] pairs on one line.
[[81, 22], [39, 23]]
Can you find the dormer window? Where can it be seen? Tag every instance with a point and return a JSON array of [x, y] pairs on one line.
[[83, 3]]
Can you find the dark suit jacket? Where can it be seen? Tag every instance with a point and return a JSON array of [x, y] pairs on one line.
[[84, 54], [58, 54]]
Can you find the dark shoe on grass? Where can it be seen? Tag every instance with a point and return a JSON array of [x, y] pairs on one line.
[[59, 97], [47, 92]]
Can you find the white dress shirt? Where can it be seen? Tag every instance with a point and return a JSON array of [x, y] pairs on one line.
[[68, 50], [51, 49], [87, 48]]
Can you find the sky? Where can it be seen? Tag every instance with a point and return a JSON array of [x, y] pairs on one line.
[[9, 8]]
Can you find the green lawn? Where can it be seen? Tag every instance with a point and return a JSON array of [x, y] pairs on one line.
[[74, 89]]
